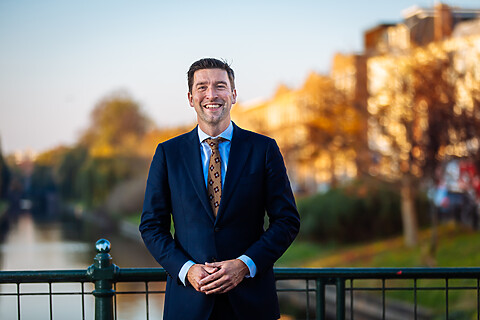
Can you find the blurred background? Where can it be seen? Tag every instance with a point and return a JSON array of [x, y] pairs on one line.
[[375, 106]]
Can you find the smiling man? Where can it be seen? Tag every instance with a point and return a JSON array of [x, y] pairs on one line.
[[217, 182]]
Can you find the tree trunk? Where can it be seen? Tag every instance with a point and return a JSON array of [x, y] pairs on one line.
[[409, 214], [432, 252]]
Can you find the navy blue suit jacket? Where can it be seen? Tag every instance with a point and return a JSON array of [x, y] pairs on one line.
[[256, 183]]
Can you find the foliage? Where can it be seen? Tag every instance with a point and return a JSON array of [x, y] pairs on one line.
[[5, 176], [332, 126], [117, 125], [42, 186], [336, 123], [68, 172], [420, 116], [127, 196], [106, 156], [360, 211], [98, 177]]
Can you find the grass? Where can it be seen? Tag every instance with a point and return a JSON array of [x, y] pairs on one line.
[[134, 218], [457, 247], [305, 252]]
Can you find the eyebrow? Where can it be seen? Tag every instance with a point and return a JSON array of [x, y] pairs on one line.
[[206, 82]]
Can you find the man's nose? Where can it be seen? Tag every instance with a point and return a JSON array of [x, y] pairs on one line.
[[211, 92]]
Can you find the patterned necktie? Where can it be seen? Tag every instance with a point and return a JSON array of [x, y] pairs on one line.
[[214, 177]]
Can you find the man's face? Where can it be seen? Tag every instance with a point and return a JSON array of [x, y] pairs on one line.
[[212, 97]]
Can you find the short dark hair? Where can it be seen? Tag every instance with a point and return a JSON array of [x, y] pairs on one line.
[[210, 63]]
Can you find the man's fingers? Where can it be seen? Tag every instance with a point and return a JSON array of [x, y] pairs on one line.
[[212, 277], [210, 269], [196, 273], [224, 288], [213, 264], [219, 283], [215, 287]]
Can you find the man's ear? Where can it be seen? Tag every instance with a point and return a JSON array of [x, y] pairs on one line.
[[234, 96], [190, 99]]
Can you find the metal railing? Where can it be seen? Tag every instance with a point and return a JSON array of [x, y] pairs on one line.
[[307, 293]]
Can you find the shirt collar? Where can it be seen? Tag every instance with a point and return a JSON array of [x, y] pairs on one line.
[[227, 134]]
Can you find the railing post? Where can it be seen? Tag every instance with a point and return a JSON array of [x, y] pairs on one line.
[[320, 290], [103, 272], [340, 299]]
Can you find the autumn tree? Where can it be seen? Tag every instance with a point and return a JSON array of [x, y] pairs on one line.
[[415, 118], [333, 124], [117, 125]]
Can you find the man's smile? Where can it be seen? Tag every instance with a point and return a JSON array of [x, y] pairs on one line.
[[212, 106]]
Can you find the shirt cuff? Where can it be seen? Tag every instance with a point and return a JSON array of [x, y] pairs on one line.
[[183, 272], [250, 264]]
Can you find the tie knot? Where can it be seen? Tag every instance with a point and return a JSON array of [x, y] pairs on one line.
[[213, 143]]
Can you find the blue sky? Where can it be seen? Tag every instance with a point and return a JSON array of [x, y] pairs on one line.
[[59, 58]]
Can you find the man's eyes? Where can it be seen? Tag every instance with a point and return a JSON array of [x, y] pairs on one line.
[[218, 86]]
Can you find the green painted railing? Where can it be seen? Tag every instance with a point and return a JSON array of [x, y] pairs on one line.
[[320, 293]]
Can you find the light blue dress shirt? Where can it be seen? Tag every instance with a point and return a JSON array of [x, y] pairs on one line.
[[206, 151]]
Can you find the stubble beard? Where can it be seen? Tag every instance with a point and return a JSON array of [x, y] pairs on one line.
[[214, 120]]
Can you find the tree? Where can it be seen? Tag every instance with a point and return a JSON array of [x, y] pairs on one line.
[[333, 125], [108, 152], [415, 118], [4, 176], [67, 172], [117, 125]]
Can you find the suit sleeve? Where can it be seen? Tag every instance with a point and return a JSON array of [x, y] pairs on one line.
[[156, 217], [284, 220]]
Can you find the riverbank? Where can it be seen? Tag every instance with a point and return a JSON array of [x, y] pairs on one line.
[[457, 246], [126, 227]]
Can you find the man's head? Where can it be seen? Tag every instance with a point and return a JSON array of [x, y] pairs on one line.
[[209, 63], [211, 94]]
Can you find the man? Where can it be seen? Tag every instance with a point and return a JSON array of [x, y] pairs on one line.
[[217, 182]]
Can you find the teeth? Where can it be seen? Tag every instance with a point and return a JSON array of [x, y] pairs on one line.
[[212, 106]]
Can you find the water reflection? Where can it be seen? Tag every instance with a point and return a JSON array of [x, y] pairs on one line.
[[31, 246], [30, 243]]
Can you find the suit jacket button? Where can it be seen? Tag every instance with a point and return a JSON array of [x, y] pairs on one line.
[[217, 229], [214, 259]]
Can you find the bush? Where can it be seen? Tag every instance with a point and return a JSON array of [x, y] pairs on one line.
[[359, 211]]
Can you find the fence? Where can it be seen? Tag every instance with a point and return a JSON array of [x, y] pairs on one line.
[[329, 293]]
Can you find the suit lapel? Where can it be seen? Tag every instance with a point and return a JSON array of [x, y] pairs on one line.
[[239, 153], [193, 165]]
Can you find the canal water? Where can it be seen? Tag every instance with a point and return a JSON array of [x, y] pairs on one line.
[[31, 242]]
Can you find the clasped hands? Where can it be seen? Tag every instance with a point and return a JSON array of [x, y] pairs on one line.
[[217, 277]]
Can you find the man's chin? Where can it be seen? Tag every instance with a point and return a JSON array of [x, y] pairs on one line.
[[213, 118]]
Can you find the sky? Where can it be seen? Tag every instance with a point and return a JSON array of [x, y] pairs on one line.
[[59, 58]]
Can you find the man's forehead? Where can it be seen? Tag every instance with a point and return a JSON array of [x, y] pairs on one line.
[[216, 75]]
